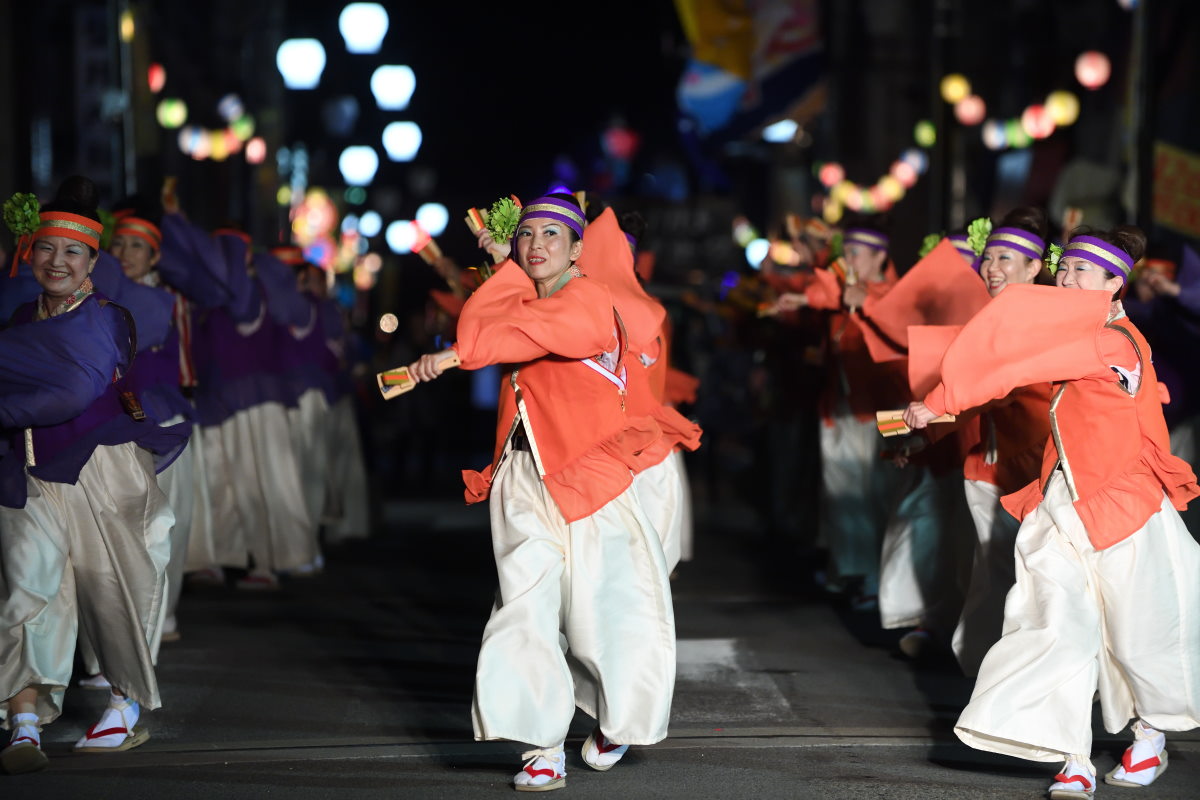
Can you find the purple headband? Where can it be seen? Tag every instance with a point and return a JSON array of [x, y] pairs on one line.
[[959, 240], [1018, 239], [632, 240], [865, 237], [556, 209], [1101, 253]]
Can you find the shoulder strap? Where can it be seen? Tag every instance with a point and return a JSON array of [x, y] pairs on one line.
[[1137, 348]]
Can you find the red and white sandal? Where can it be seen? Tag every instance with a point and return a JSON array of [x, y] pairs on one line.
[[1076, 781], [24, 751], [116, 731], [545, 770], [1143, 761], [601, 754]]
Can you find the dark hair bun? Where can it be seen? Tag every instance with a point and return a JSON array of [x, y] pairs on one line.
[[1027, 218], [634, 224], [570, 198], [1127, 237], [880, 223], [1130, 239], [76, 195]]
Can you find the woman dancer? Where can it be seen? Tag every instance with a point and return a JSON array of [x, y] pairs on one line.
[[83, 524], [578, 561], [1105, 598]]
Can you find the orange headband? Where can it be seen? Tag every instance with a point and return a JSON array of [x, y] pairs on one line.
[[289, 254], [72, 226], [144, 229], [245, 237]]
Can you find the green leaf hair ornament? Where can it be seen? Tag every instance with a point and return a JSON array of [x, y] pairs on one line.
[[835, 247], [22, 215], [977, 234], [1053, 254], [110, 227], [929, 242], [502, 219]]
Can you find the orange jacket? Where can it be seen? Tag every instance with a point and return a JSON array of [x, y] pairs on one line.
[[1015, 429], [1004, 439], [938, 290], [573, 408], [642, 401], [868, 386], [1112, 446], [607, 257]]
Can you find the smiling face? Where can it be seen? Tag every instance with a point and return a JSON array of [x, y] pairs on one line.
[[1079, 273], [1003, 265], [136, 255], [545, 250], [60, 265]]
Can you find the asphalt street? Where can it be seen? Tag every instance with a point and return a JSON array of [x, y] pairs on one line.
[[357, 684]]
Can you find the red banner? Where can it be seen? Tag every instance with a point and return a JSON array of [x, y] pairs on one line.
[[1177, 189]]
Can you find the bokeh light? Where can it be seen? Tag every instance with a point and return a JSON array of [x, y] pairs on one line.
[[363, 26], [1092, 69], [955, 87], [925, 133], [171, 112], [300, 62], [970, 110], [1063, 107]]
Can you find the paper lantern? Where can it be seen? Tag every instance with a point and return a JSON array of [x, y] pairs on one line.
[[994, 135], [831, 173], [256, 150], [925, 134], [1037, 122], [955, 87], [171, 112], [905, 173], [1063, 107], [1092, 69], [970, 110], [156, 78]]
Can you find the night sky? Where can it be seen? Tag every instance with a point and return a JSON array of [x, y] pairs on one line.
[[499, 95]]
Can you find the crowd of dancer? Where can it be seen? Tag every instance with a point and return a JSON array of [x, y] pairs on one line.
[[997, 472], [1032, 417], [173, 404]]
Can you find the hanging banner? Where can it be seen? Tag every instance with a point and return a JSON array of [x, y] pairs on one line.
[[750, 60], [1177, 189]]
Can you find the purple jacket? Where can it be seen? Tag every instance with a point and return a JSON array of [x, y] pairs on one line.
[[57, 379]]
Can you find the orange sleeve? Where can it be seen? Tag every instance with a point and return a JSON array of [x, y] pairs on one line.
[[1116, 350], [1029, 334], [505, 322], [824, 292], [936, 291], [927, 345]]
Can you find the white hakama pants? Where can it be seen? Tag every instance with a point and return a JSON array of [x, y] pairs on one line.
[[992, 575], [228, 543], [201, 552], [1124, 620], [310, 442], [92, 554], [857, 492], [663, 493], [583, 618], [178, 482], [924, 547], [347, 505], [255, 487]]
